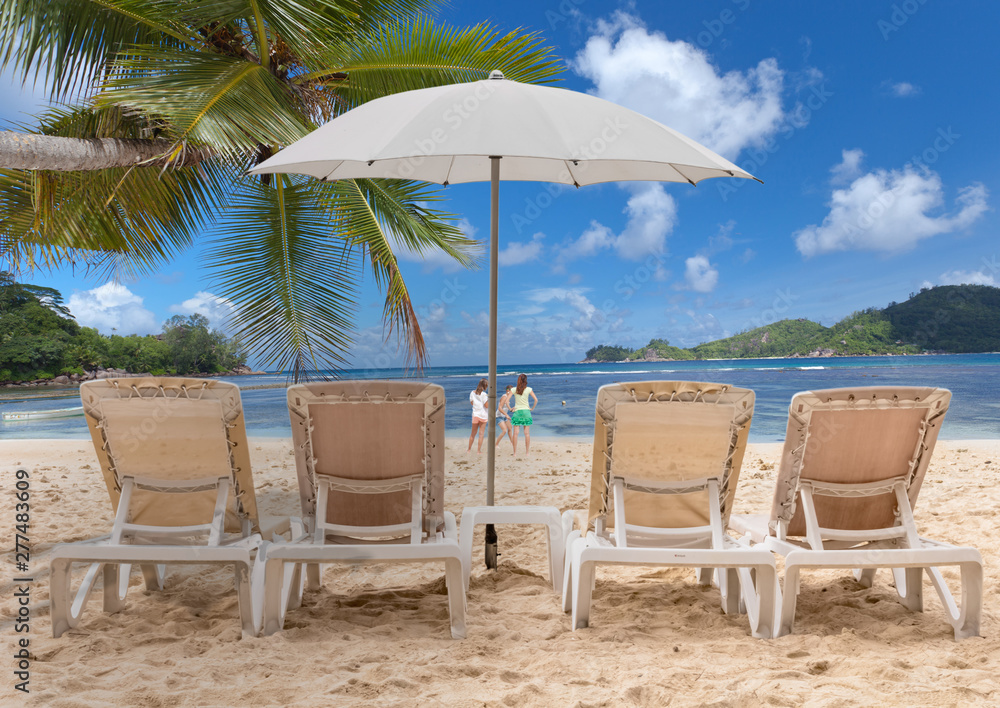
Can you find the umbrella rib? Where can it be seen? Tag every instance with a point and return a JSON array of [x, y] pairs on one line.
[[678, 171], [447, 173], [569, 169]]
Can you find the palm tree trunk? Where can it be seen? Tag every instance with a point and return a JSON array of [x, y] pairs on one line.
[[26, 151]]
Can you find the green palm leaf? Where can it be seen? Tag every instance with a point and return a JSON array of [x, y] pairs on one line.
[[125, 221], [404, 57], [378, 216], [226, 102], [71, 43], [290, 280]]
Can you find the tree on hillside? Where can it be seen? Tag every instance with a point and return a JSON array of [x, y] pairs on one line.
[[170, 102]]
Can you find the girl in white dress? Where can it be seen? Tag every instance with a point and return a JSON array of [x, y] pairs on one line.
[[479, 399]]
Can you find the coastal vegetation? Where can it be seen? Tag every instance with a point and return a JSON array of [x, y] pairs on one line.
[[948, 318], [163, 106], [40, 340]]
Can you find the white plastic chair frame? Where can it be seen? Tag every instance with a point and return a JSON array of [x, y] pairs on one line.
[[424, 543], [746, 577], [151, 546], [899, 548]]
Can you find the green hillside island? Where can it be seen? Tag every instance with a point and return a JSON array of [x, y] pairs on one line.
[[40, 341], [946, 319]]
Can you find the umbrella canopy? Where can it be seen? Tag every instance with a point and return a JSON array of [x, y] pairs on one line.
[[447, 135], [465, 132]]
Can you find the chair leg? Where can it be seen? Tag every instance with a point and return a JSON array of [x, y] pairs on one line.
[[248, 612], [910, 587], [865, 576], [63, 618], [729, 588], [788, 600], [567, 584], [154, 576], [704, 575], [584, 577], [455, 581], [314, 579], [965, 619], [760, 596], [115, 586]]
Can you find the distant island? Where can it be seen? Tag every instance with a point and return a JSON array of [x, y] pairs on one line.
[[41, 343], [944, 319]]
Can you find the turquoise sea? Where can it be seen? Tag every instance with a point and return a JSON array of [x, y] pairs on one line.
[[974, 380]]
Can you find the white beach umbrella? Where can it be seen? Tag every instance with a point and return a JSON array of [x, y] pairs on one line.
[[491, 130]]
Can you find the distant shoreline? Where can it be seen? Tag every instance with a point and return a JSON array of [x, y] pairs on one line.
[[658, 360], [73, 381]]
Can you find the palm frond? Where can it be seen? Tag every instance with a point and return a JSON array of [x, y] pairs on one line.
[[403, 57], [128, 221], [290, 279], [70, 43], [125, 222], [375, 216], [226, 102]]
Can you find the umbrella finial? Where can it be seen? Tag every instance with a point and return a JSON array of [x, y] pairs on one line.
[[496, 74]]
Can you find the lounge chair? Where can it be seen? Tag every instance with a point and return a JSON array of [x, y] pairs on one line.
[[667, 457], [852, 466], [174, 456], [370, 460]]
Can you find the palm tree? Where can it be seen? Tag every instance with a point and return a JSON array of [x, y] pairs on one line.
[[166, 103]]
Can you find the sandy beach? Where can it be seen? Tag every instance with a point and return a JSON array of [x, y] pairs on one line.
[[379, 635]]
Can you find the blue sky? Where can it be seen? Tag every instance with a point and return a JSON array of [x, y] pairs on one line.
[[872, 124]]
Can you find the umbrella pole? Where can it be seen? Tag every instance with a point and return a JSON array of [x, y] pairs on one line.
[[491, 535]]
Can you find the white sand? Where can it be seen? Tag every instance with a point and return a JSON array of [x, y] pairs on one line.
[[379, 635]]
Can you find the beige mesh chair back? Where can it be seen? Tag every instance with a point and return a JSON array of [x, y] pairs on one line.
[[174, 456], [173, 430], [370, 461], [852, 466], [352, 431], [674, 432], [667, 458], [855, 436]]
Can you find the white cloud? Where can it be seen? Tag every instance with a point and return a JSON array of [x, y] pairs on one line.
[[112, 307], [217, 309], [963, 277], [596, 238], [700, 275], [675, 83], [702, 328], [652, 215], [903, 89], [588, 317], [890, 211], [849, 168], [518, 252]]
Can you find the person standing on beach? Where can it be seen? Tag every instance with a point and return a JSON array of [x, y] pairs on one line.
[[522, 412], [502, 419], [479, 399]]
